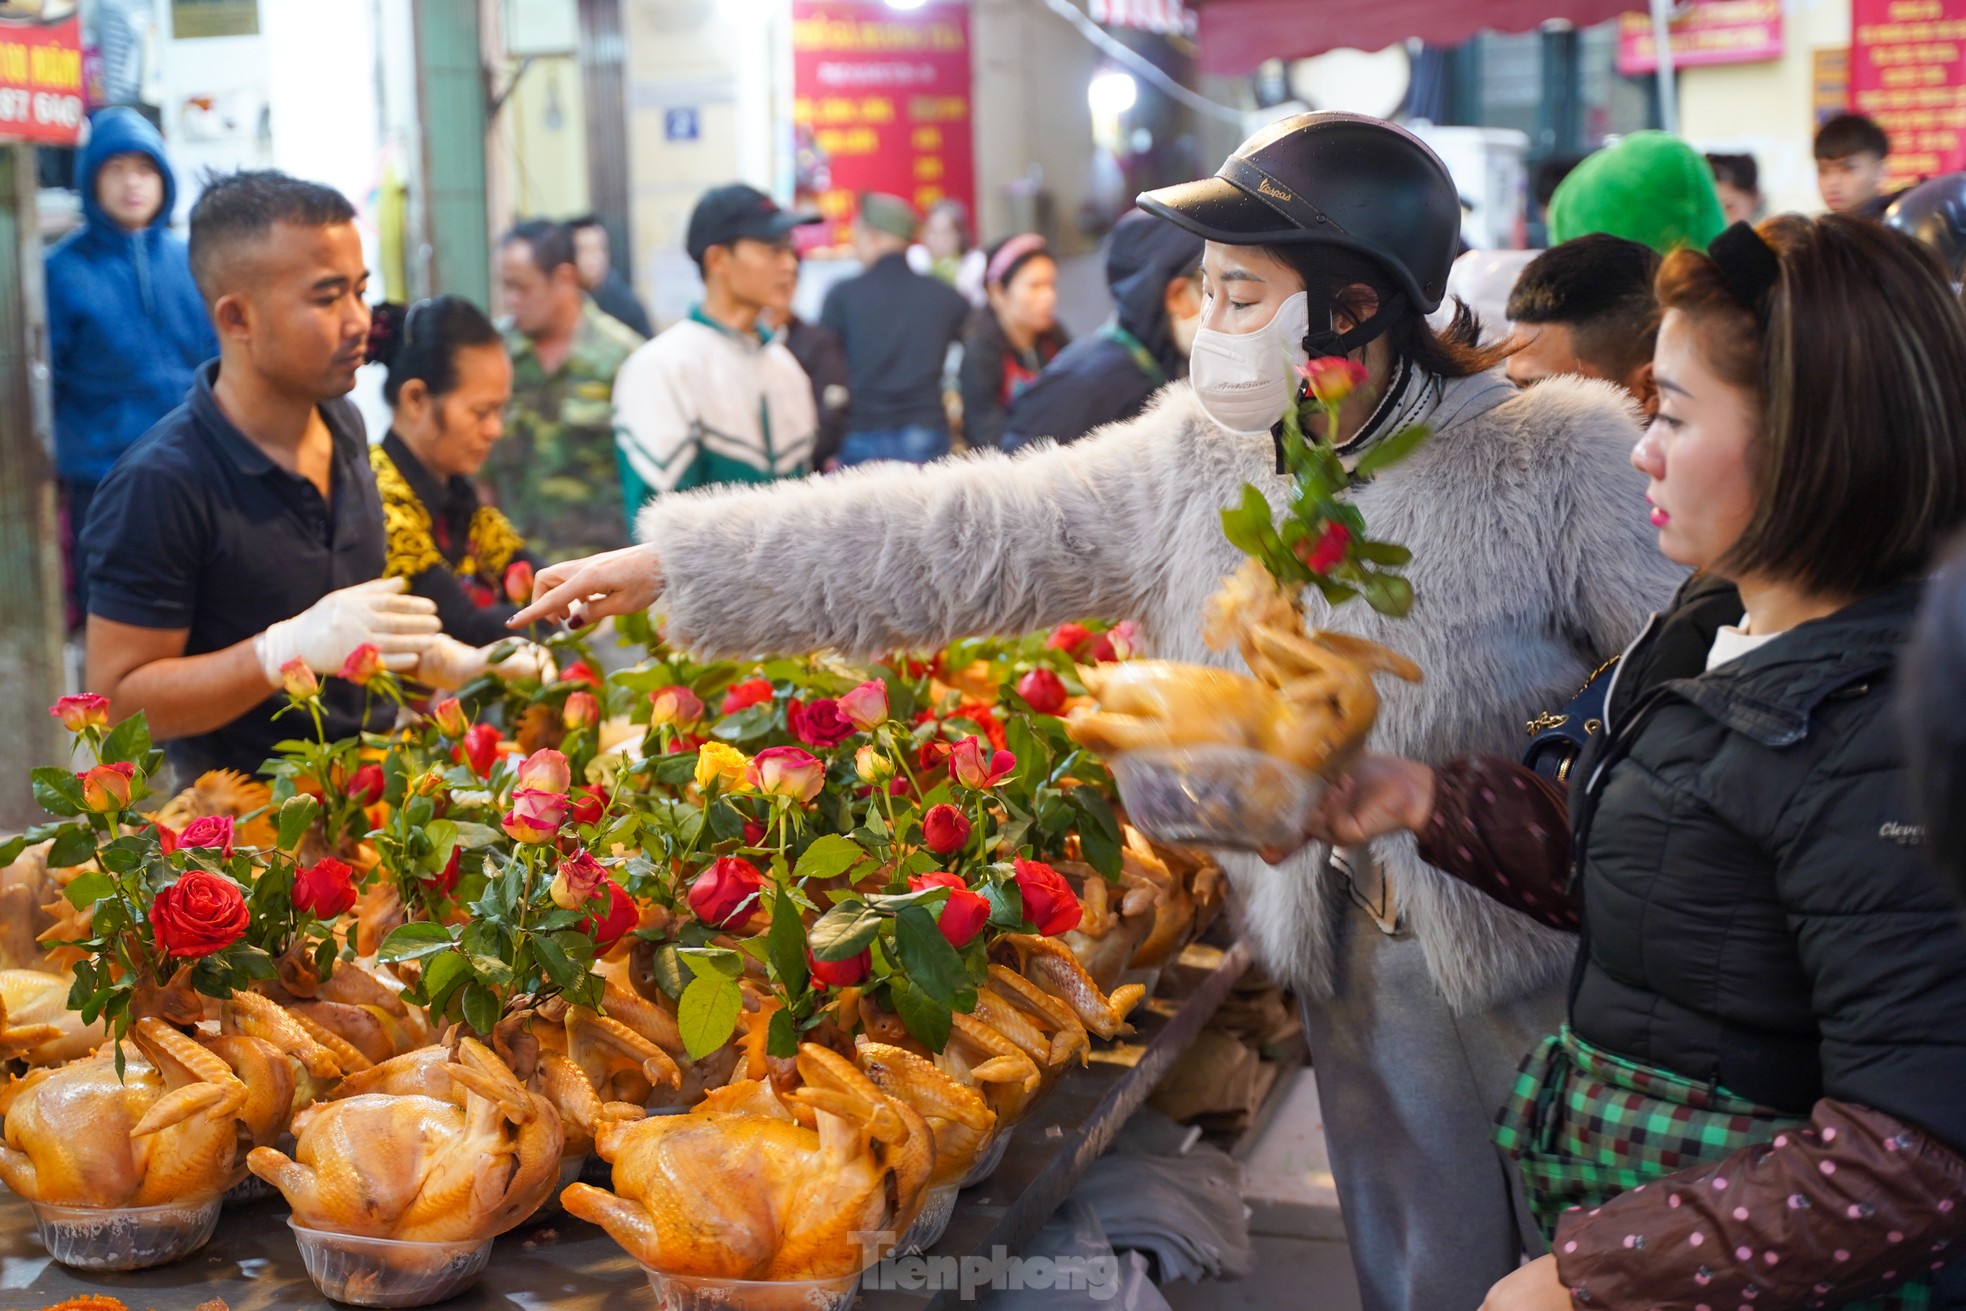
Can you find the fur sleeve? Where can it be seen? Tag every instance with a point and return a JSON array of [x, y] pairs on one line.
[[890, 557]]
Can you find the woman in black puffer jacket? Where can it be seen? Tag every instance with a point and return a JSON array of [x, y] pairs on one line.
[[1761, 1093]]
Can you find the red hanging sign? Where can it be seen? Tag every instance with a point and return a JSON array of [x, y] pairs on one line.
[[1704, 32], [1906, 73], [41, 79], [881, 103]]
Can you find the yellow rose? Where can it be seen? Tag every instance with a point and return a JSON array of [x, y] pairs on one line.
[[721, 764]]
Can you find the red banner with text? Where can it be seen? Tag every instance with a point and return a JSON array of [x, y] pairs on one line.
[[882, 103], [1906, 73], [41, 79], [1704, 32]]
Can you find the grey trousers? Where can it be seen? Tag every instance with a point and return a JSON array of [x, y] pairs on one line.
[[1409, 1092]]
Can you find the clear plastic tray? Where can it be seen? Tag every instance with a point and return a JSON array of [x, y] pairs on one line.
[[930, 1225], [124, 1237], [1218, 796], [387, 1271], [986, 1164], [702, 1293]]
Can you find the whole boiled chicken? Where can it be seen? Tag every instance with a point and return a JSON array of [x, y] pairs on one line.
[[466, 1165], [740, 1189], [36, 1025]]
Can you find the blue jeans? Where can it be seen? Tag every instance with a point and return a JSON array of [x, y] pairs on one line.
[[915, 444]]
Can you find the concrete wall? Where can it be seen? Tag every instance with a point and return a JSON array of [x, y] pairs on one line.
[[1766, 108]]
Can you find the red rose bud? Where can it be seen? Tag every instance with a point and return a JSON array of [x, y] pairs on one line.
[[518, 582], [1117, 643], [201, 913], [674, 705], [1329, 550], [742, 696], [107, 787], [576, 881], [324, 889], [547, 770], [89, 710], [166, 837], [1072, 639], [208, 831], [588, 806], [725, 894], [866, 706], [1049, 901], [536, 815], [820, 724], [365, 785], [974, 765], [581, 710], [1043, 691], [1332, 378], [963, 915], [787, 772], [621, 915], [944, 830], [839, 973], [364, 663], [446, 880], [754, 833], [450, 717], [580, 672], [480, 749]]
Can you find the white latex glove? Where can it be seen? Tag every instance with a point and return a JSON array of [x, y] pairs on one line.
[[449, 664], [326, 633]]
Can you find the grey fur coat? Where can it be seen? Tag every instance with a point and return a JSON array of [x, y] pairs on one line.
[[1533, 563]]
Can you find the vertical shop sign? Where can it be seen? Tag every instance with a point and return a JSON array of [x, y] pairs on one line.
[[1704, 32], [41, 77], [882, 103], [1906, 73]]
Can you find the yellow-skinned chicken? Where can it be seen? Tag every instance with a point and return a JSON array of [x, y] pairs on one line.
[[36, 1025]]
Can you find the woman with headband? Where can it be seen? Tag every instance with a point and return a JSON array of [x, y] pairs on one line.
[[1010, 340]]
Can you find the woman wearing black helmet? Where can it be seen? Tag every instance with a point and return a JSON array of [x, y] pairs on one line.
[[1327, 234]]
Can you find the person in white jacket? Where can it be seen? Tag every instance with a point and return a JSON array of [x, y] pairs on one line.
[[1327, 234]]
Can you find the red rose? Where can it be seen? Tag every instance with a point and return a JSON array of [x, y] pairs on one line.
[[363, 665], [580, 672], [166, 836], [1072, 639], [588, 805], [1117, 643], [725, 894], [518, 582], [839, 973], [742, 696], [963, 915], [201, 913], [820, 724], [446, 881], [621, 915], [974, 765], [1329, 550], [754, 833], [324, 889], [480, 748], [944, 830], [208, 831], [1043, 691], [1049, 901], [365, 785], [107, 787], [89, 710], [1332, 377], [930, 758]]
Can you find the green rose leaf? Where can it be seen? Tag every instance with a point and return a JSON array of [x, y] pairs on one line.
[[1389, 594], [11, 848], [72, 847], [707, 1013], [785, 947], [86, 889], [1391, 555], [1385, 454], [782, 1038], [296, 816], [129, 740], [442, 976], [57, 791], [705, 961], [844, 931], [1099, 834], [926, 1018], [480, 1008], [1006, 904], [667, 967], [931, 964], [414, 941], [829, 857]]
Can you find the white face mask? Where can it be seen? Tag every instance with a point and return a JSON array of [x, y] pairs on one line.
[[1244, 381]]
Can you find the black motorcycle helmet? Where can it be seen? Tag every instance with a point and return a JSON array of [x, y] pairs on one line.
[[1342, 181], [1934, 212]]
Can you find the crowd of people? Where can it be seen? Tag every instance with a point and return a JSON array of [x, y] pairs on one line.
[[1707, 965]]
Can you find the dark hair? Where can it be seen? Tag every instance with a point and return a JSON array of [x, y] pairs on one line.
[[1851, 134], [1549, 175], [242, 207], [1737, 171], [585, 221], [1454, 351], [550, 243], [1600, 287], [421, 341], [1038, 249], [1932, 710], [1861, 373]]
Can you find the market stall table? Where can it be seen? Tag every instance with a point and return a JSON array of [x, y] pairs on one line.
[[252, 1263]]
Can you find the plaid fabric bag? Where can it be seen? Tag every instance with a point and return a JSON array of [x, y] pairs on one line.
[[1584, 1125]]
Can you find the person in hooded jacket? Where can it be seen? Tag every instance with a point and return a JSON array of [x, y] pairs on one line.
[[1327, 234], [1153, 269], [126, 326]]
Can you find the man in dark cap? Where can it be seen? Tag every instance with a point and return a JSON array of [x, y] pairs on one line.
[[897, 327], [1153, 270]]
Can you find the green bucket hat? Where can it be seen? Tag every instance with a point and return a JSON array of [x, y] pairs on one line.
[[1651, 188]]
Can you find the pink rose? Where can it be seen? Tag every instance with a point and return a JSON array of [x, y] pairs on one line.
[[974, 765], [547, 770], [787, 772], [576, 881], [107, 787], [364, 663], [88, 710], [298, 681], [536, 815], [581, 710], [518, 582], [324, 889], [1332, 378], [866, 706], [208, 831], [820, 724], [450, 717], [674, 706]]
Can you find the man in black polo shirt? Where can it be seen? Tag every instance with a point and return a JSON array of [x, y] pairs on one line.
[[243, 532]]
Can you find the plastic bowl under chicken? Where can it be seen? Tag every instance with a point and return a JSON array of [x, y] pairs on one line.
[[387, 1271], [986, 1164], [932, 1222], [1218, 796], [124, 1237], [705, 1293]]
